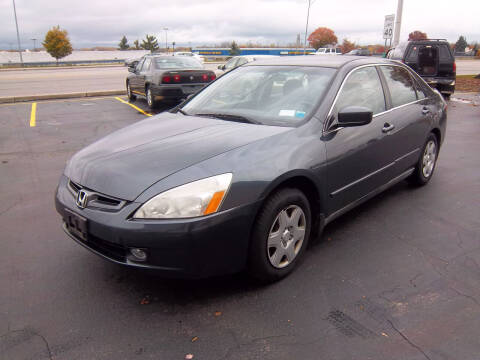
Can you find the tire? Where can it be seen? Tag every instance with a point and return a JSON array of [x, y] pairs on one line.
[[426, 164], [130, 95], [152, 104], [285, 219]]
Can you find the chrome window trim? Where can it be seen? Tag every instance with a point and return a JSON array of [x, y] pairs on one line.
[[325, 131]]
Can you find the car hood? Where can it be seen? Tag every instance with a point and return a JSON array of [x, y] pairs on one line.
[[128, 161]]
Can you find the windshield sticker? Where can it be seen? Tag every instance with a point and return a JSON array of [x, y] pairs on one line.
[[286, 113], [300, 114]]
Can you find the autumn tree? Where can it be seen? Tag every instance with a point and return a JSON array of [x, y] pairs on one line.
[[136, 45], [321, 37], [347, 46], [57, 43], [417, 35], [150, 43], [234, 49], [123, 44]]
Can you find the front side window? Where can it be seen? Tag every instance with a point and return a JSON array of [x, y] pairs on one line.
[[362, 88], [267, 95], [400, 84], [139, 65], [146, 64]]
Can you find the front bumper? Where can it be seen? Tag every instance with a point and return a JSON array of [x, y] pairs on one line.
[[192, 248], [175, 91]]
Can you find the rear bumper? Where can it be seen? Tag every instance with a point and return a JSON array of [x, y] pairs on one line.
[[190, 248], [167, 92], [444, 85]]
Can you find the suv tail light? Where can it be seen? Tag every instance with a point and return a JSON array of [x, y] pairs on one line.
[[166, 79], [454, 67]]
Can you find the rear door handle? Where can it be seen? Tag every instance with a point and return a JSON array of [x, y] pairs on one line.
[[388, 127], [425, 110]]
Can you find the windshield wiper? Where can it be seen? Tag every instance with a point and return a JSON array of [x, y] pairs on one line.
[[230, 117], [183, 112]]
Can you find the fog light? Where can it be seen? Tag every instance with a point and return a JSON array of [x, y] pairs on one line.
[[138, 254]]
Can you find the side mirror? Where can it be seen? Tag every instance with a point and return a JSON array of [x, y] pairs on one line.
[[221, 67], [354, 116], [131, 69]]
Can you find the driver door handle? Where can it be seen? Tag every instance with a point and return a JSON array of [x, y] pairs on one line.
[[425, 110], [387, 127]]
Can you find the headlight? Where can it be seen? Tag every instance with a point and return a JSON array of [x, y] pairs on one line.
[[201, 197]]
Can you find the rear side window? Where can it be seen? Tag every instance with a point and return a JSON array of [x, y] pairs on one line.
[[400, 84], [362, 88]]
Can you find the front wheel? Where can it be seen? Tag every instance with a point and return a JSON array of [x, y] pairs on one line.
[[426, 164], [280, 235]]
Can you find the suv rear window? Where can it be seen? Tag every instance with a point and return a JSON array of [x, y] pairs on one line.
[[444, 53]]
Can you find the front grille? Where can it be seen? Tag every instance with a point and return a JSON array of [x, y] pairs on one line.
[[96, 200]]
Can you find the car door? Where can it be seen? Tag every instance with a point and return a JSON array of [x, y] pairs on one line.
[[135, 81], [143, 74], [409, 114], [359, 159]]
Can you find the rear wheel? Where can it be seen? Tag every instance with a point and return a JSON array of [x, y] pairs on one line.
[[152, 104], [426, 164], [130, 95], [280, 235]]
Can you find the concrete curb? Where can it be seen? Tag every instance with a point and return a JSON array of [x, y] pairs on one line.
[[17, 99], [6, 69]]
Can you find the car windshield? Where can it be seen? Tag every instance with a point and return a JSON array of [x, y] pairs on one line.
[[181, 62], [267, 95]]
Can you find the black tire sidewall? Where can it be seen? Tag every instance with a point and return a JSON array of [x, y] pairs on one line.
[[259, 265]]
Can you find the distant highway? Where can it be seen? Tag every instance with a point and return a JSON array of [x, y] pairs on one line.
[[57, 81]]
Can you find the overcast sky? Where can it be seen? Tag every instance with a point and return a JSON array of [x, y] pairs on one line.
[[197, 22]]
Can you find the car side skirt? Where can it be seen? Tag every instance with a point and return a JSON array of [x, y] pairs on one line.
[[370, 195]]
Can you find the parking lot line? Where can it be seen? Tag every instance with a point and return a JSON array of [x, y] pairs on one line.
[[133, 106], [33, 115]]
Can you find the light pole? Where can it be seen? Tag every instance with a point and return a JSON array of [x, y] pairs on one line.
[[18, 35], [34, 43], [398, 23], [310, 3], [166, 42]]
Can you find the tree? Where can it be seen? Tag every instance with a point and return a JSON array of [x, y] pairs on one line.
[[136, 45], [57, 43], [234, 49], [417, 35], [123, 44], [150, 43], [347, 46], [461, 44], [321, 37]]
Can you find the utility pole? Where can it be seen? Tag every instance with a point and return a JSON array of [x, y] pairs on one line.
[[18, 35], [166, 43], [306, 28], [34, 44], [398, 23]]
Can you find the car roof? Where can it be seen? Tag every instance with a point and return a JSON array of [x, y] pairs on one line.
[[320, 61]]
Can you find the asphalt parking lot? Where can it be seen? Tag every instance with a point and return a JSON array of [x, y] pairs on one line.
[[397, 278]]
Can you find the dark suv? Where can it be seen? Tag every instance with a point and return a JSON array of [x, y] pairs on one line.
[[432, 59]]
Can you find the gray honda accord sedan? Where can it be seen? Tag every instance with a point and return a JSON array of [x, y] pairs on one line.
[[244, 173]]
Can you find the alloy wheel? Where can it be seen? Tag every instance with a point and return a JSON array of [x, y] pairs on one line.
[[429, 157], [286, 236]]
